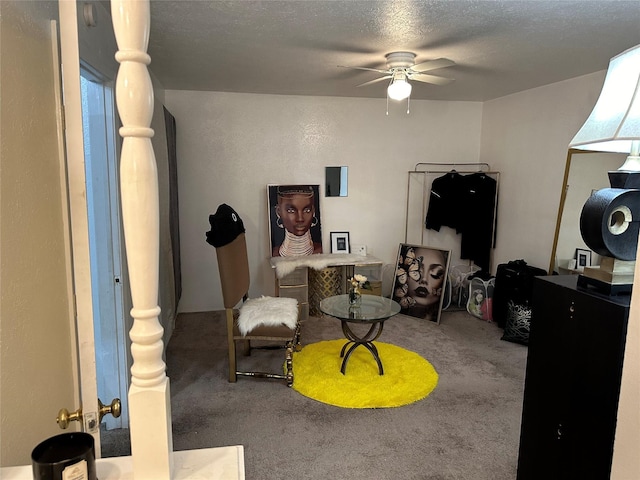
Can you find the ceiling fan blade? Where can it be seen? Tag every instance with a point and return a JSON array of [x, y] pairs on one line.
[[365, 68], [433, 79], [433, 64], [374, 81]]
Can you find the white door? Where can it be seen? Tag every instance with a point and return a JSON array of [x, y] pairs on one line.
[[101, 171], [95, 46]]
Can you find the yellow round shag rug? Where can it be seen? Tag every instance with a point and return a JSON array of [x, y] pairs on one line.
[[407, 376]]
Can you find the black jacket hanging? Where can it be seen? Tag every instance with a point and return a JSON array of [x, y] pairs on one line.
[[466, 203], [445, 202], [478, 223]]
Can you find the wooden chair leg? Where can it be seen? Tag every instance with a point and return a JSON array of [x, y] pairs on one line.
[[293, 345], [232, 362], [246, 347], [231, 345], [289, 364], [296, 339]]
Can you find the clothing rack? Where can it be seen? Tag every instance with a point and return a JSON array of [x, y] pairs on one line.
[[434, 169], [479, 166]]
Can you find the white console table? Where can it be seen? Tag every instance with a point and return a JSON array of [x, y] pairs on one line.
[[221, 463], [292, 274]]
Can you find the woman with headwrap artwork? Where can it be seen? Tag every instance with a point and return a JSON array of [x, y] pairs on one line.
[[294, 214], [421, 276]]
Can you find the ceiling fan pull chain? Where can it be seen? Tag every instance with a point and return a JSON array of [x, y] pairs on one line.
[[387, 104], [408, 100]]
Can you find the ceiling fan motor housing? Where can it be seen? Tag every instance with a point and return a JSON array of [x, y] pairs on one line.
[[400, 59]]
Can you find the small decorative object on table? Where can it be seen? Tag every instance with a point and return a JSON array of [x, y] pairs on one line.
[[357, 283]]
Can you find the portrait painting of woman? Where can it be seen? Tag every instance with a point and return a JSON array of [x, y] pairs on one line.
[[294, 219], [420, 280]]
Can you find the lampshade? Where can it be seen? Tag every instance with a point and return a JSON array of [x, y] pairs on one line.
[[399, 88], [614, 123]]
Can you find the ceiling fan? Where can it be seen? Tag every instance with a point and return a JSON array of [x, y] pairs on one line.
[[401, 68]]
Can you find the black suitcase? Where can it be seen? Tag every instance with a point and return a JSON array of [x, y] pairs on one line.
[[514, 281]]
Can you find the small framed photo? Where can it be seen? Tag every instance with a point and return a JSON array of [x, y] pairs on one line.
[[340, 242], [583, 258]]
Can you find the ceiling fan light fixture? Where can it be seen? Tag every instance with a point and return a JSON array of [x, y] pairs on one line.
[[401, 68], [399, 89]]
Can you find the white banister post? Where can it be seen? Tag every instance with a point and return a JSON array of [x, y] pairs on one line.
[[149, 395]]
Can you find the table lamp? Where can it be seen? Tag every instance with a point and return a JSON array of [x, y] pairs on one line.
[[609, 222]]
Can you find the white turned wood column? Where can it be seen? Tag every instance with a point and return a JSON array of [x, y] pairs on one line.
[[149, 396]]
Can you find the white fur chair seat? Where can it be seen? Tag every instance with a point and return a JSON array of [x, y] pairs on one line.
[[268, 311]]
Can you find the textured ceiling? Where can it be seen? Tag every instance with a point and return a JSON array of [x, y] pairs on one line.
[[294, 47]]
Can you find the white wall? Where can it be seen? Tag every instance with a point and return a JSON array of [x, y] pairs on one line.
[[526, 136], [38, 375], [230, 146]]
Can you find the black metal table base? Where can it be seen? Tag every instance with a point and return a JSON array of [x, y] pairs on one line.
[[366, 341]]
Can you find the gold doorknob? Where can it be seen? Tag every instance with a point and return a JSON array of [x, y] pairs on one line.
[[113, 408], [64, 417]]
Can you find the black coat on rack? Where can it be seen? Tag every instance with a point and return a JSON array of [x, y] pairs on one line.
[[477, 230], [466, 202], [445, 202]]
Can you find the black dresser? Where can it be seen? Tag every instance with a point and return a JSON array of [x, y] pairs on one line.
[[572, 383]]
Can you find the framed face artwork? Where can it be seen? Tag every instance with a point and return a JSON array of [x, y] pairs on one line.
[[294, 220], [420, 280]]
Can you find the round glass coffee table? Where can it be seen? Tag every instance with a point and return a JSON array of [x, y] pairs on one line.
[[373, 310]]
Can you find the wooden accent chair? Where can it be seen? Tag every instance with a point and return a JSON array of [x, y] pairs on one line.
[[267, 319]]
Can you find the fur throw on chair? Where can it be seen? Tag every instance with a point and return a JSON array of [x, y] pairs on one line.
[[268, 311]]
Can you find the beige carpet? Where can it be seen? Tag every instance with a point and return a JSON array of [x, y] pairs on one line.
[[467, 428]]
